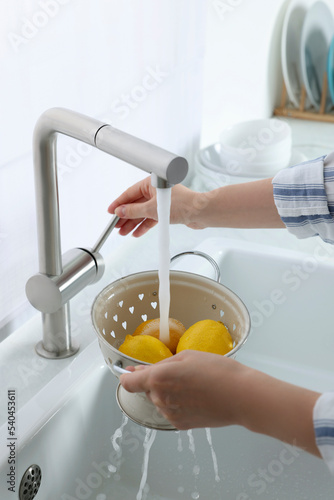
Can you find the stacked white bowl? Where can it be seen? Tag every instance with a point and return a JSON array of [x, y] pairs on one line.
[[247, 151], [256, 148]]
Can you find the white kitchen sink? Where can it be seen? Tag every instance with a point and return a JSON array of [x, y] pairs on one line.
[[290, 298], [71, 428]]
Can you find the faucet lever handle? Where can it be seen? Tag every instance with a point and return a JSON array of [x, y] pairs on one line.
[[105, 234]]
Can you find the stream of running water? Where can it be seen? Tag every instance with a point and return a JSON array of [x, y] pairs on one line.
[[163, 206], [148, 441]]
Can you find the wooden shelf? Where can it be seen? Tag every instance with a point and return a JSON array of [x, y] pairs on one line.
[[301, 113]]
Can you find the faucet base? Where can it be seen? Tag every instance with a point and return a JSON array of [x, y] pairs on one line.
[[66, 353]]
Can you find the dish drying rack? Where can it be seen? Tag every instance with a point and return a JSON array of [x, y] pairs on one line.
[[301, 113]]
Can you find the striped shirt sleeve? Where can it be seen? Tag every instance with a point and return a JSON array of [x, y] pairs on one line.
[[304, 197], [323, 418]]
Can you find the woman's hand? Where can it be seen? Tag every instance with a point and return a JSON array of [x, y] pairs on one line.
[[137, 208], [197, 389], [249, 204], [191, 389]]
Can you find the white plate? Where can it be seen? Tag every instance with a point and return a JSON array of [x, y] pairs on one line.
[[317, 33], [330, 69], [290, 48], [210, 158]]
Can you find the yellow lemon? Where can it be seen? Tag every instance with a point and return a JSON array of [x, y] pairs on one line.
[[206, 335], [145, 348], [152, 327]]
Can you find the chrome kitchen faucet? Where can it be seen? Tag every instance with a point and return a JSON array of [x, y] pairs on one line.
[[60, 278]]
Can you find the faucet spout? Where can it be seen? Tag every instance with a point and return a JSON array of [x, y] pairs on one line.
[[160, 163], [84, 266], [51, 123]]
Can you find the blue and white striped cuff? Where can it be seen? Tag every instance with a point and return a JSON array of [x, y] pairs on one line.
[[323, 419], [302, 199]]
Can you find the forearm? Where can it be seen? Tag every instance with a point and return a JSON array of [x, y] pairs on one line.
[[229, 393], [278, 409], [247, 205]]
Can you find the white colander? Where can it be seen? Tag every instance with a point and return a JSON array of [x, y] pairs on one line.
[[127, 302]]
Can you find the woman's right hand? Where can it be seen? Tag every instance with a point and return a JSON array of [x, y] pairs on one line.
[[137, 208]]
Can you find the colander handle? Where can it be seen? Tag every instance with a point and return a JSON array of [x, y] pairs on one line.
[[205, 256], [117, 367]]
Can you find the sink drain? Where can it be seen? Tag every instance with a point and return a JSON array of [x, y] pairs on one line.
[[30, 483]]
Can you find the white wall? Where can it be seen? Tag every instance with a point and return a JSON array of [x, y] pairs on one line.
[[137, 65], [242, 67]]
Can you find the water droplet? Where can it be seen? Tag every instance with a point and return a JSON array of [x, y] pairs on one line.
[[179, 443], [196, 470], [111, 468], [147, 444], [195, 495], [191, 441], [118, 434], [213, 454]]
